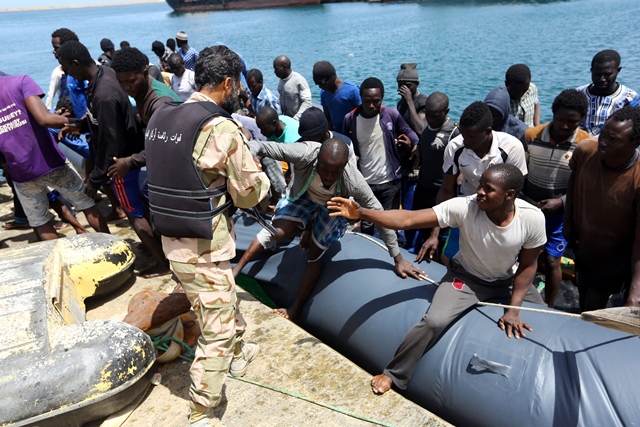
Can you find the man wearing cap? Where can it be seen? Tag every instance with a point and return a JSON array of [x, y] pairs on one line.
[[322, 171], [189, 54], [338, 96], [412, 103], [314, 127], [295, 95], [107, 52]]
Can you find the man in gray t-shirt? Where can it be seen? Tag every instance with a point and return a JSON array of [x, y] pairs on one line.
[[295, 94], [496, 228]]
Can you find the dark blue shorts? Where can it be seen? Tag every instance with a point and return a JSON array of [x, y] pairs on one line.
[[325, 229], [556, 244]]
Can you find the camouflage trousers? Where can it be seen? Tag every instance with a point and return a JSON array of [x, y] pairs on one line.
[[211, 290]]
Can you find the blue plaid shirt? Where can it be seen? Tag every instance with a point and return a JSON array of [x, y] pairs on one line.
[[189, 58], [265, 97]]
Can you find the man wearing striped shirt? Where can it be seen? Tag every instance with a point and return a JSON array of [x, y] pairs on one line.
[[551, 146], [606, 96]]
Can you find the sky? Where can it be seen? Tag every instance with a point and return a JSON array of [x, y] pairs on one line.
[[9, 4]]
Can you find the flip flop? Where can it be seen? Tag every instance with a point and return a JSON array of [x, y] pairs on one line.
[[12, 225], [61, 225]]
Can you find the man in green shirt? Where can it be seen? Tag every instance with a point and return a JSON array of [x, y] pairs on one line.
[[277, 128]]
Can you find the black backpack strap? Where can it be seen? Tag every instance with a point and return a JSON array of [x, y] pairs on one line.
[[456, 157], [503, 155]]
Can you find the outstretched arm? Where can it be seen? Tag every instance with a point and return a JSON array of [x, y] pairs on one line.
[[511, 321], [43, 117], [394, 219]]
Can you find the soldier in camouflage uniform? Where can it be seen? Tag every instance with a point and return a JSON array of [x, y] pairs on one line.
[[222, 156]]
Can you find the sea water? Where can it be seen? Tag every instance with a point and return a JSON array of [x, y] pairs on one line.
[[462, 48]]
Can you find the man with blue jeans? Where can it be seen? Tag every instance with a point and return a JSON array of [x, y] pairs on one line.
[[322, 171], [381, 140]]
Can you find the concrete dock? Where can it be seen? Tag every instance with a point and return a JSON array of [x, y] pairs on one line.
[[295, 381]]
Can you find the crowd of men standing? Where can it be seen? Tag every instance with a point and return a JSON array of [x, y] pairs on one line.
[[576, 178]]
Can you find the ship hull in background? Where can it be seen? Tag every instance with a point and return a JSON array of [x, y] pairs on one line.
[[208, 5]]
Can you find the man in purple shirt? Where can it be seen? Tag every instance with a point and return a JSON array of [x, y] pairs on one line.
[[382, 141], [33, 159]]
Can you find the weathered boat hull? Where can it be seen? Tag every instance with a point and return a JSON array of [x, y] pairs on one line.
[[209, 5], [58, 370], [566, 372]]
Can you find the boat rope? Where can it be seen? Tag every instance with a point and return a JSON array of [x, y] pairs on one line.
[[433, 282], [535, 310], [315, 402]]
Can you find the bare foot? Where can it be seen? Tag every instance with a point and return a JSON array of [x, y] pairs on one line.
[[381, 384], [156, 271], [115, 215], [305, 240], [287, 313]]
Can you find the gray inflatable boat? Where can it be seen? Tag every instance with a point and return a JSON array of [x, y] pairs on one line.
[[567, 372]]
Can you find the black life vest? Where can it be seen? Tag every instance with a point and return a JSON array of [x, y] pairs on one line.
[[179, 202]]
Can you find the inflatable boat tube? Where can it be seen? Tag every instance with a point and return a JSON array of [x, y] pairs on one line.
[[55, 368], [567, 372]]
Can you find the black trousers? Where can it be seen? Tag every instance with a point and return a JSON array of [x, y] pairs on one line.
[[388, 194]]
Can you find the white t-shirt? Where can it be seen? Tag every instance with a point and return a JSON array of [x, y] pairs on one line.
[[318, 193], [184, 85], [504, 149], [373, 163], [488, 251]]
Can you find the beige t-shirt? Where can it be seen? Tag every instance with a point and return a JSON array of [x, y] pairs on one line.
[[318, 193]]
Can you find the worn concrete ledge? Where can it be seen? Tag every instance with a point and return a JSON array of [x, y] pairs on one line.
[[291, 360]]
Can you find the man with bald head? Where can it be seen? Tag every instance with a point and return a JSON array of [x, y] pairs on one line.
[[322, 171], [295, 95], [183, 81], [277, 128]]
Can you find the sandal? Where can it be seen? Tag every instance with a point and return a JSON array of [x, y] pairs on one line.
[[13, 225]]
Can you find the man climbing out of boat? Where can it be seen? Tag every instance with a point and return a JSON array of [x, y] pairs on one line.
[[496, 229], [322, 171], [198, 161]]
